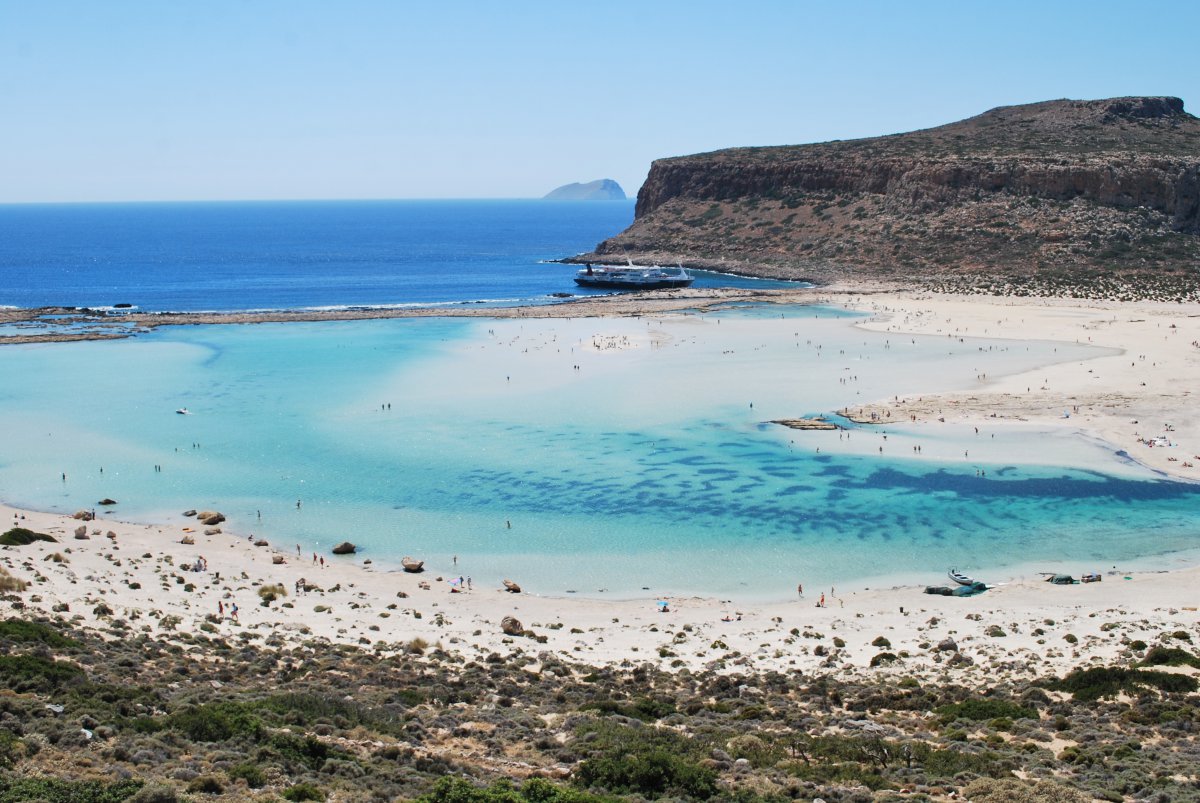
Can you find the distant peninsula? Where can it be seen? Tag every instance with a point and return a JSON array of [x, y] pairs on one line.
[[1063, 197], [604, 189]]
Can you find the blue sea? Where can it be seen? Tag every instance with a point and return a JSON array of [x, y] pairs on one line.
[[303, 254], [619, 457]]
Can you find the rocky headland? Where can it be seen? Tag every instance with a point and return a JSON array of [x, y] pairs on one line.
[[1094, 198]]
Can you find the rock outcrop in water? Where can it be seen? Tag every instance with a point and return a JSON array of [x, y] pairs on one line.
[[604, 189], [1074, 195]]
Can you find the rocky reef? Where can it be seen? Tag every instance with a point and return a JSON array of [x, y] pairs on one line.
[[1075, 196]]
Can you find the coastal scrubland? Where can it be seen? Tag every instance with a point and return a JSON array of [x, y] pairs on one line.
[[138, 712]]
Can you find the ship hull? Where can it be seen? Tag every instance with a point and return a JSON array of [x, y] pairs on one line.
[[618, 284]]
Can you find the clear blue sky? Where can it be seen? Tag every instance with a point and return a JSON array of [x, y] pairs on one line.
[[164, 100]]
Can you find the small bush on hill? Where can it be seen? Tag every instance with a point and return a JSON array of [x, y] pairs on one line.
[[216, 722], [31, 673], [19, 536], [1169, 656], [1106, 681], [25, 632], [535, 790], [52, 790], [303, 791], [980, 710]]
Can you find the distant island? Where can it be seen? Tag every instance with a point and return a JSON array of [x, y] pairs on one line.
[[1088, 197], [604, 189]]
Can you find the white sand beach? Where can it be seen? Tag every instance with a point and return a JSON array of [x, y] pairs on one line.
[[1025, 626]]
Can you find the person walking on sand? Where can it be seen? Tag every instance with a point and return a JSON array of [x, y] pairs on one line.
[[233, 611], [800, 590], [220, 608], [821, 604]]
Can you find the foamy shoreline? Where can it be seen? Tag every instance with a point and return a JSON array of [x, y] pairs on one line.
[[1147, 379]]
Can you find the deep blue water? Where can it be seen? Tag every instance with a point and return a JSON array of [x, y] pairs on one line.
[[286, 255]]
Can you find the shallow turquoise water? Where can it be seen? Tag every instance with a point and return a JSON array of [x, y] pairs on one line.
[[650, 466]]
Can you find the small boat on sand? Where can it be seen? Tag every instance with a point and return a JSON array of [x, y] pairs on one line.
[[960, 578], [412, 564]]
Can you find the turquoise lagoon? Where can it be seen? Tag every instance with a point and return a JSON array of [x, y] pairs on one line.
[[622, 457]]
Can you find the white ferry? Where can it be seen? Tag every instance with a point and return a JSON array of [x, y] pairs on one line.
[[633, 277]]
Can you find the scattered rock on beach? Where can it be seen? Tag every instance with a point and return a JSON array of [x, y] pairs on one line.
[[106, 502], [211, 518], [512, 626], [947, 645], [81, 533], [260, 542], [82, 515], [212, 531], [345, 548], [189, 512]]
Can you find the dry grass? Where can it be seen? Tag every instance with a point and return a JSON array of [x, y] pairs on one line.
[[8, 583]]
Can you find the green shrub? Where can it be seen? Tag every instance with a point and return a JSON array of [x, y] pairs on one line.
[[1107, 681], [206, 785], [52, 790], [644, 708], [307, 750], [1169, 656], [450, 789], [31, 673], [303, 791], [651, 774], [250, 773], [19, 536], [983, 710], [10, 749], [216, 722], [884, 658], [24, 632], [637, 759]]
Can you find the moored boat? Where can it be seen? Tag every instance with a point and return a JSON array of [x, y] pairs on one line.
[[633, 277]]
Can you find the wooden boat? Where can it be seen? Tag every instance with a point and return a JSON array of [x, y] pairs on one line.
[[512, 587], [960, 578], [412, 564]]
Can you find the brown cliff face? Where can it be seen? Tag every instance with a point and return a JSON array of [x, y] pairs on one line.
[[1066, 193]]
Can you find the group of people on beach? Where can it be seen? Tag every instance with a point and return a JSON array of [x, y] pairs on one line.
[[821, 601]]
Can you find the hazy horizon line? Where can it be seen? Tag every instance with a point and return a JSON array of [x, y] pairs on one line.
[[115, 202]]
